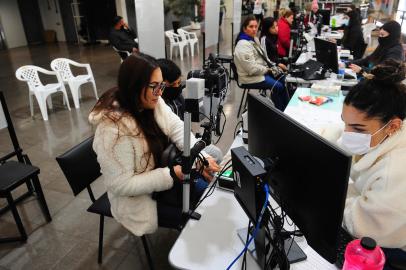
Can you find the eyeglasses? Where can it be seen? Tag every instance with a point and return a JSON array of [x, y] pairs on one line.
[[156, 87]]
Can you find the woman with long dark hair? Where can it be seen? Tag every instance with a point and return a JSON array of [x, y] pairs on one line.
[[134, 126], [374, 114], [389, 48], [353, 38], [269, 38]]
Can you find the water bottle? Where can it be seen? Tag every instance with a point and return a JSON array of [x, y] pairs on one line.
[[341, 70], [363, 254], [333, 23]]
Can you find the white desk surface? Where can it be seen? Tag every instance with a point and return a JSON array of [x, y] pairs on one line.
[[213, 243]]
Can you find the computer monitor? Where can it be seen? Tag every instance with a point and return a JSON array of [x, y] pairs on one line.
[[310, 177], [325, 13], [326, 53]]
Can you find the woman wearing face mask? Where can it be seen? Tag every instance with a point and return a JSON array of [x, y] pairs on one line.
[[374, 114], [353, 38], [389, 48], [173, 97], [133, 127]]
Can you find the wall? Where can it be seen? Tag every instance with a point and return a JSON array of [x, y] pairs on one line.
[[51, 17], [12, 25]]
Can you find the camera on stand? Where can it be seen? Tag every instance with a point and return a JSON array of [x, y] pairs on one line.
[[215, 84]]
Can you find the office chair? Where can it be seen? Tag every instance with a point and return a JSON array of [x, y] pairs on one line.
[[81, 168], [13, 174], [242, 86]]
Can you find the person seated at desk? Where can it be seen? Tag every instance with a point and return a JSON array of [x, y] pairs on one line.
[[353, 38], [269, 38], [254, 68], [133, 127], [122, 37], [284, 25], [389, 48], [374, 113], [173, 97]]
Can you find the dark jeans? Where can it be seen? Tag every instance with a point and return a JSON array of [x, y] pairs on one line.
[[169, 206], [279, 95], [395, 258]]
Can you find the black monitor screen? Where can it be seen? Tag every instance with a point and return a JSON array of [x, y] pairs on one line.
[[325, 13], [311, 175], [326, 53]]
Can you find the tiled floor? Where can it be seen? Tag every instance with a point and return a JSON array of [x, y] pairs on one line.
[[70, 241]]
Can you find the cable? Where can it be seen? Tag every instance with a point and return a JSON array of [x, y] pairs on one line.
[[236, 128], [256, 227], [222, 129]]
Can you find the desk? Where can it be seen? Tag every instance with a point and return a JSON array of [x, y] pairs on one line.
[[213, 243]]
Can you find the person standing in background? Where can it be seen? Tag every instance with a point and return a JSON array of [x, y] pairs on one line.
[[258, 12], [223, 10]]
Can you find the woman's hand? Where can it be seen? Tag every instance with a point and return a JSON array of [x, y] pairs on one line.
[[282, 66], [178, 171], [210, 169], [355, 68]]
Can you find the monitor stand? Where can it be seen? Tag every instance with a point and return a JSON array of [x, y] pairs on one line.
[[296, 254]]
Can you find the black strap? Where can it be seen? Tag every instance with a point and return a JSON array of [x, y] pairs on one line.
[[262, 54]]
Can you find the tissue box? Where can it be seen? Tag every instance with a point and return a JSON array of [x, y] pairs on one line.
[[325, 89]]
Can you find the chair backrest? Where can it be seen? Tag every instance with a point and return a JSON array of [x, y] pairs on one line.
[[170, 36], [5, 121], [184, 35], [61, 65], [234, 69], [29, 74], [80, 166]]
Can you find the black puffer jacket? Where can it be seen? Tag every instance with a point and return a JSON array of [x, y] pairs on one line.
[[389, 48]]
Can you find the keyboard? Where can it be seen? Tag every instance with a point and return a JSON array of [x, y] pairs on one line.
[[343, 239], [310, 70]]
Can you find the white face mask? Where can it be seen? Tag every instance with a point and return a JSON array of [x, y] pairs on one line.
[[358, 143]]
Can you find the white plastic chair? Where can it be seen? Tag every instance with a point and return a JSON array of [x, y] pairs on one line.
[[176, 40], [61, 65], [367, 31], [191, 39], [29, 74]]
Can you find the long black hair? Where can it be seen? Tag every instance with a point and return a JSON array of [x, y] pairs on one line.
[[382, 96], [134, 75], [266, 24]]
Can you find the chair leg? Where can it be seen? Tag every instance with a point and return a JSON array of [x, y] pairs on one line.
[[74, 89], [101, 229], [145, 244], [42, 105], [17, 218], [31, 104], [95, 89], [41, 198], [242, 100]]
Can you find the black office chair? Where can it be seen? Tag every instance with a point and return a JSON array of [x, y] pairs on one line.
[[242, 86], [16, 173], [81, 168]]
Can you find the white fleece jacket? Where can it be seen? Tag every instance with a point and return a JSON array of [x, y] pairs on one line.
[[376, 198], [121, 151]]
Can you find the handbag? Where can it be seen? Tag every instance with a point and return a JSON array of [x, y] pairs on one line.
[[276, 71]]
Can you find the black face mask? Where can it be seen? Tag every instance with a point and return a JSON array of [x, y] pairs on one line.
[[172, 93], [383, 40]]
